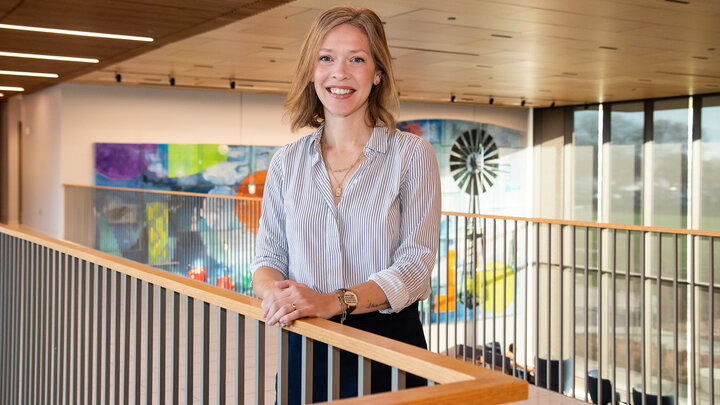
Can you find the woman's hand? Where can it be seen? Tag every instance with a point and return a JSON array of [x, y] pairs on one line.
[[288, 300]]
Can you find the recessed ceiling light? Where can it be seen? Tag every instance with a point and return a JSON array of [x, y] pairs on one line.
[[31, 74], [2, 95], [611, 48], [9, 88], [451, 18], [500, 36], [50, 57], [78, 33], [701, 57]]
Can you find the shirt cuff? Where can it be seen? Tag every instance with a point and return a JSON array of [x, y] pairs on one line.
[[269, 262], [394, 289]]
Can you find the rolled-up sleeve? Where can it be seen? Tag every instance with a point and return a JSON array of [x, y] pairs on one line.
[[271, 249], [408, 279]]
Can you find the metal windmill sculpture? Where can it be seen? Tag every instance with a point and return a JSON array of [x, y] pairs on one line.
[[474, 164]]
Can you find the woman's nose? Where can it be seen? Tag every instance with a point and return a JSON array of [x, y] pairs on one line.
[[340, 70]]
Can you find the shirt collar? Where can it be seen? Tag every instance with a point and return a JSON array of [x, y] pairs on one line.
[[378, 141]]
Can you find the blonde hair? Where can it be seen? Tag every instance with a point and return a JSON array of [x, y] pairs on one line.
[[302, 103]]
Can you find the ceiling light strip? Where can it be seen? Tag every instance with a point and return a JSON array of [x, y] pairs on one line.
[[31, 74], [78, 33], [9, 88], [49, 57]]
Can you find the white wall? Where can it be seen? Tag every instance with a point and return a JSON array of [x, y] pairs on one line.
[[84, 114], [41, 115], [10, 171]]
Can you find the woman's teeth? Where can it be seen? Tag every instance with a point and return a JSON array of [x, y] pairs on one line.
[[334, 90]]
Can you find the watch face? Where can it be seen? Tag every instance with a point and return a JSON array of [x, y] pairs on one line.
[[350, 298]]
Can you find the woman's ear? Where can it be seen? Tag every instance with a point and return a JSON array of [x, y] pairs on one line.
[[378, 76]]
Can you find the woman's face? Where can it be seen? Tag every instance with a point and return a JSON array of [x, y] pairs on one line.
[[344, 72]]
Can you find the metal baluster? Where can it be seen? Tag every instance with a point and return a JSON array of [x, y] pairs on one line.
[[458, 290], [467, 295], [397, 379], [239, 359], [162, 335], [692, 320], [627, 316], [447, 283], [189, 345], [515, 295], [126, 343], [108, 334], [642, 314], [82, 348], [222, 354], [675, 318], [587, 308], [175, 360], [259, 362], [437, 307], [659, 315], [90, 329], [74, 296], [98, 339], [4, 312], [537, 301], [282, 373], [549, 302], [613, 320], [711, 293], [573, 258], [63, 337], [117, 360], [45, 291], [333, 385], [150, 307], [306, 377], [527, 293], [561, 369], [364, 367], [599, 312], [205, 360]]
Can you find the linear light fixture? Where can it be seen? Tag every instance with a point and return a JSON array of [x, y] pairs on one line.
[[8, 88], [50, 57], [78, 33], [31, 74]]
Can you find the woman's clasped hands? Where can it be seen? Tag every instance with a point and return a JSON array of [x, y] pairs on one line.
[[288, 300]]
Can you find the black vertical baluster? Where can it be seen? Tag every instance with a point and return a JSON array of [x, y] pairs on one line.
[[108, 333], [205, 344], [587, 307], [162, 335], [138, 341], [189, 360], [117, 343], [126, 342], [239, 359], [222, 354], [561, 264], [90, 329], [659, 315], [98, 339], [175, 360], [150, 306]]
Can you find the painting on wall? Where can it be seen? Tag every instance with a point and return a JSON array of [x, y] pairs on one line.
[[201, 168]]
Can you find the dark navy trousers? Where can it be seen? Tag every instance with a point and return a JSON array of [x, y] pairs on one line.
[[404, 326]]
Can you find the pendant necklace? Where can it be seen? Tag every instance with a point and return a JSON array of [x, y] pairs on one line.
[[338, 189]]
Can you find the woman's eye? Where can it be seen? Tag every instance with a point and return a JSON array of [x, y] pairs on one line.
[[358, 59], [325, 58]]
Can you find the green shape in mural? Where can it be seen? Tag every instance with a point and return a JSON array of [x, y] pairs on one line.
[[157, 226], [184, 160]]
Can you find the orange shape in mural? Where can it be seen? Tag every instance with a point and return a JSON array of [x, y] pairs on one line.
[[248, 211]]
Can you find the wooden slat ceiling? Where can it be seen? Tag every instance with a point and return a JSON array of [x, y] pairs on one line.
[[543, 51], [166, 21]]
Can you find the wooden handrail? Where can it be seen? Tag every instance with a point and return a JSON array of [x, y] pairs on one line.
[[604, 225], [460, 382]]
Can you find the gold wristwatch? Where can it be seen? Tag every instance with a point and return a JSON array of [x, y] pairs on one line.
[[348, 301]]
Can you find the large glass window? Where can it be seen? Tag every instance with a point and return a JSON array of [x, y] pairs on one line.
[[710, 164], [625, 163], [585, 165], [670, 180]]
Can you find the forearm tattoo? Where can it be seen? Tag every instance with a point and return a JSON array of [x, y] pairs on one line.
[[382, 305]]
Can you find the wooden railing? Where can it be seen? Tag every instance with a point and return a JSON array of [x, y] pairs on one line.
[[68, 311], [573, 299]]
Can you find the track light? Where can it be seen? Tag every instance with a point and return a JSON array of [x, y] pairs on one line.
[[172, 81], [452, 98], [552, 104], [492, 100], [522, 103], [118, 77], [232, 84]]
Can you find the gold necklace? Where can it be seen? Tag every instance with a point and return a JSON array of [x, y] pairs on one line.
[[338, 188]]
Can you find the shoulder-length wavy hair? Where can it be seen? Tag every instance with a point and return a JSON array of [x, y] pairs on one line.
[[302, 103]]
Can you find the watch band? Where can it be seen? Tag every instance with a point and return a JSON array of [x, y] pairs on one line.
[[343, 305]]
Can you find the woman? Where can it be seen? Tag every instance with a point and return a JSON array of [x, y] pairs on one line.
[[351, 213]]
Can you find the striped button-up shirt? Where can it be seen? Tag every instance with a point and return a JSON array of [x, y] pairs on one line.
[[384, 229]]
